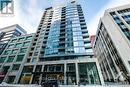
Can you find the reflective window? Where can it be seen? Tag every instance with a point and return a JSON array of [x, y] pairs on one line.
[[2, 59], [14, 40], [34, 60], [78, 38], [18, 45], [88, 73], [19, 58], [76, 25], [16, 67], [53, 39], [14, 51], [23, 50], [26, 44], [7, 52], [11, 46], [20, 39], [87, 44], [10, 59], [79, 43], [29, 38], [71, 74], [79, 50], [37, 48], [76, 29], [77, 33], [89, 50], [35, 53]]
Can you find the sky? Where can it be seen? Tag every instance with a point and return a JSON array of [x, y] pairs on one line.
[[27, 13]]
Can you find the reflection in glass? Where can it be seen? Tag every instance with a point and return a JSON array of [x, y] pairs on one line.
[[88, 73]]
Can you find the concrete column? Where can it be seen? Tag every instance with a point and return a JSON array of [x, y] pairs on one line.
[[65, 66], [40, 79], [40, 82], [100, 73], [18, 74], [77, 72], [126, 25], [32, 74], [31, 79]]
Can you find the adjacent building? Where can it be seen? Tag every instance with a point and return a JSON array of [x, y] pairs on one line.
[[92, 39], [112, 44], [8, 32], [14, 57]]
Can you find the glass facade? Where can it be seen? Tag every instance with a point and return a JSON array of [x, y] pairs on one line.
[[68, 32], [71, 74], [53, 39], [126, 16], [88, 73]]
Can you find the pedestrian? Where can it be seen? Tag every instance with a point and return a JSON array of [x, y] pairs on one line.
[[78, 84]]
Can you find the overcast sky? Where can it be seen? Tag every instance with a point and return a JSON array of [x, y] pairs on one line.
[[27, 13]]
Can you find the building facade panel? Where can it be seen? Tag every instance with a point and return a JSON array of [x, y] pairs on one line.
[[112, 44]]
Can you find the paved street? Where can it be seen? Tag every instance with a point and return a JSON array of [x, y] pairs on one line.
[[7, 85]]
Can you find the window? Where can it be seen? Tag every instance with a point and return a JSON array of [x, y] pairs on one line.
[[26, 44], [79, 43], [19, 58], [77, 33], [37, 48], [35, 53], [17, 33], [78, 38], [21, 39], [18, 45], [122, 26], [59, 68], [14, 40], [10, 59], [76, 29], [10, 79], [79, 50], [23, 50], [27, 69], [88, 45], [34, 60], [11, 46], [6, 52], [89, 50], [16, 67], [29, 38], [14, 51], [2, 59], [88, 71], [71, 67]]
